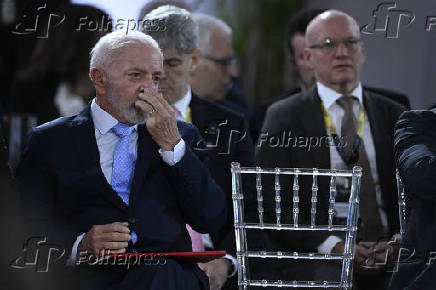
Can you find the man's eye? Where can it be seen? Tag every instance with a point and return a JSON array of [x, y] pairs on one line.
[[172, 63], [329, 45]]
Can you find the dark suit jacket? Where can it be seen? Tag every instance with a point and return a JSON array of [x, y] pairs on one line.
[[415, 154], [258, 115], [301, 116], [228, 140], [64, 193]]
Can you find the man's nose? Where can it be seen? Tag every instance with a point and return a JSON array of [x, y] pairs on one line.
[[341, 49], [232, 70]]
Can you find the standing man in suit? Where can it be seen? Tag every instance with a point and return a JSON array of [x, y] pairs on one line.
[[224, 131], [415, 155], [337, 108], [121, 176]]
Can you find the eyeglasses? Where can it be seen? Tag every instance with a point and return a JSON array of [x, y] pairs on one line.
[[331, 44], [224, 62]]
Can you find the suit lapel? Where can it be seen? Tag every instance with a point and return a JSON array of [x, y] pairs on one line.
[[194, 109], [89, 155], [378, 130], [314, 126], [148, 152]]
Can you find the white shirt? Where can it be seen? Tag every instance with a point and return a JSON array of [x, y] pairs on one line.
[[68, 103], [329, 98], [183, 104], [107, 142]]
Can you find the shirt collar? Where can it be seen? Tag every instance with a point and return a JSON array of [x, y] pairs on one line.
[[183, 103], [329, 96], [103, 121]]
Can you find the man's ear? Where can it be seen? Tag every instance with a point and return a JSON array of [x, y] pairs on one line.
[[308, 57], [99, 79], [194, 60], [362, 48]]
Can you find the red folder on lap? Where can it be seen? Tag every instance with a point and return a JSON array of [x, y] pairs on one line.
[[195, 257]]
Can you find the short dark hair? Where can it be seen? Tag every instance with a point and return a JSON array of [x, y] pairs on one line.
[[297, 24]]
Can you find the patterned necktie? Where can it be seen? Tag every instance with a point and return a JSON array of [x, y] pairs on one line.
[[196, 239], [123, 166], [372, 228], [177, 114]]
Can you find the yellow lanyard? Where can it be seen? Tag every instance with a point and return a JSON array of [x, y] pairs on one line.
[[331, 127], [354, 157], [188, 117]]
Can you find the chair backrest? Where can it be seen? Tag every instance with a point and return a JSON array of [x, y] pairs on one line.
[[350, 228], [401, 205]]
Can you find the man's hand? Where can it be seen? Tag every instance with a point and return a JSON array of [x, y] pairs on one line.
[[161, 122], [217, 271], [385, 253], [364, 257], [113, 237]]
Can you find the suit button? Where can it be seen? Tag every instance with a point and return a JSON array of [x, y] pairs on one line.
[[132, 220]]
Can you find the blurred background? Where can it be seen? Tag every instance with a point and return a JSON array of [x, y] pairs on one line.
[[42, 65]]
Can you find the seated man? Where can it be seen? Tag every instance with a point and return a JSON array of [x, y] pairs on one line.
[[415, 155], [223, 129], [337, 107], [122, 176]]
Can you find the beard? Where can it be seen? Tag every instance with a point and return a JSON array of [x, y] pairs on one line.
[[128, 111]]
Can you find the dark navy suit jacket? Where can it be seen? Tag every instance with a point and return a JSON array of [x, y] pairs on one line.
[[64, 193], [415, 153]]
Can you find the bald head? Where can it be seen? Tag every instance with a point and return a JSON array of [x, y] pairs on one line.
[[334, 50], [330, 17]]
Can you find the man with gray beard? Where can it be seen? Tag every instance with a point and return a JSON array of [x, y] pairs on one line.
[[123, 176]]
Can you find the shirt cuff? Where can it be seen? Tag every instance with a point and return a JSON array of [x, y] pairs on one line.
[[72, 258], [327, 246], [234, 264], [172, 157]]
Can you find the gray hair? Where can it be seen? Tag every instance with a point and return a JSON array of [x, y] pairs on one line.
[[110, 47], [176, 28], [208, 24]]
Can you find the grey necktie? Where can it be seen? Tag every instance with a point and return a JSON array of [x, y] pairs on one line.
[[371, 228]]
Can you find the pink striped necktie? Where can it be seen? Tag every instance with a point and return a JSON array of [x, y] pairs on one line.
[[196, 239]]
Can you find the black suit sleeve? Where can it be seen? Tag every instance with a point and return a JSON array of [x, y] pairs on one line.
[[415, 152], [202, 201], [38, 197]]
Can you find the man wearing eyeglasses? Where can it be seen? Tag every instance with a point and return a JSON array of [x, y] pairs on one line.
[[213, 77], [224, 131], [338, 124]]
